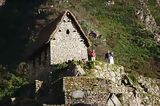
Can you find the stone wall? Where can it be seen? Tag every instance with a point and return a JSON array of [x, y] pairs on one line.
[[67, 43], [51, 93], [144, 92], [39, 65], [111, 72], [52, 105], [86, 90], [111, 87]]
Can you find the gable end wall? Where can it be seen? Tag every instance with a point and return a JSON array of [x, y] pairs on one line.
[[67, 45]]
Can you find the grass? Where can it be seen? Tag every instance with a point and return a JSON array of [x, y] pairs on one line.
[[133, 78], [124, 34]]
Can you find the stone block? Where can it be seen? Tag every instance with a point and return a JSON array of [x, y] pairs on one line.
[[115, 100], [78, 94], [110, 103]]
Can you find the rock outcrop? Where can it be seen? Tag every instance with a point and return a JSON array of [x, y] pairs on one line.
[[158, 2], [135, 90], [104, 85], [109, 3], [145, 16]]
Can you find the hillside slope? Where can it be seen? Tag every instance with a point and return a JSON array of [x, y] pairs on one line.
[[132, 37], [122, 31]]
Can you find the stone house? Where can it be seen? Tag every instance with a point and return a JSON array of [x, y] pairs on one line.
[[60, 41]]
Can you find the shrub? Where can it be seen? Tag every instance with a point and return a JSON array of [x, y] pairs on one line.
[[58, 71], [9, 83]]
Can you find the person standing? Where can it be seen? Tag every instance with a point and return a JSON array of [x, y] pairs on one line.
[[109, 57], [93, 55]]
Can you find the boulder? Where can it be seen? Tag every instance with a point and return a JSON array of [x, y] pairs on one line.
[[78, 94], [13, 99], [38, 84], [79, 70], [115, 100], [110, 2], [110, 103]]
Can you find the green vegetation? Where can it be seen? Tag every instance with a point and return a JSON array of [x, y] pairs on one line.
[[121, 32], [133, 78], [58, 71], [153, 6], [89, 65], [85, 65], [9, 83]]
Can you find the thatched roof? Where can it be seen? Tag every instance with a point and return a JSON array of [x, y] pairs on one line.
[[50, 29]]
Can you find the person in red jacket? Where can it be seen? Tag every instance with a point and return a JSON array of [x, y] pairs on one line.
[[93, 55]]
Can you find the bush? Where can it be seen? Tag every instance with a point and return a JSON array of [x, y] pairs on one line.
[[58, 71], [90, 65], [9, 83]]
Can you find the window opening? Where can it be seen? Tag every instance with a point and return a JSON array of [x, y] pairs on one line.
[[67, 32]]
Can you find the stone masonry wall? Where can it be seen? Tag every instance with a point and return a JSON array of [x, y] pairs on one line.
[[52, 105], [39, 66], [86, 90], [141, 92], [67, 44]]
